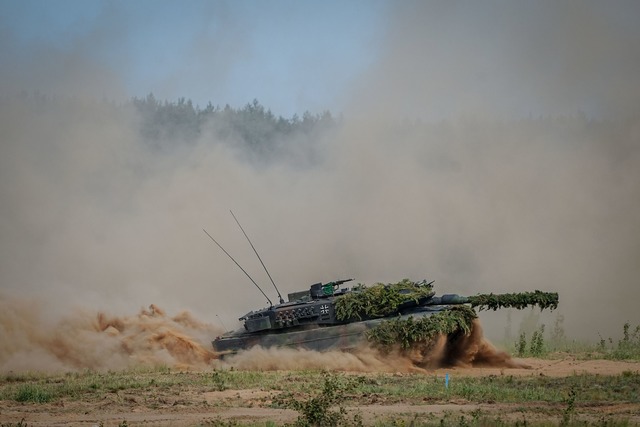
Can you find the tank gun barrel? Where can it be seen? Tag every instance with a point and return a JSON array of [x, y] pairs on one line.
[[448, 299], [544, 300], [518, 301]]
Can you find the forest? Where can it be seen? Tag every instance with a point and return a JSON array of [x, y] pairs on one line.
[[253, 126], [255, 129]]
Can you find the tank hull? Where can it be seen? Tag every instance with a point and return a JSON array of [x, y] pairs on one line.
[[312, 337]]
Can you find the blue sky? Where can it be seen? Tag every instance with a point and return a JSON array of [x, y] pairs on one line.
[[415, 59], [290, 55]]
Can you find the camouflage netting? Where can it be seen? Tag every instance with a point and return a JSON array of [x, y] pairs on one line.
[[423, 329], [519, 300], [382, 300], [379, 300]]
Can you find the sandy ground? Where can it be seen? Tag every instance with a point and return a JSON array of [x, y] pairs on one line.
[[552, 368], [195, 407]]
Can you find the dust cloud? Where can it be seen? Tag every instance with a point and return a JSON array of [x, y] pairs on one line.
[[84, 340], [98, 341], [472, 350], [493, 151]]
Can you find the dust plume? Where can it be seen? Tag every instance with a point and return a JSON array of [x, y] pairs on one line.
[[496, 146], [493, 149], [275, 359], [86, 340], [99, 341], [458, 350], [474, 350], [501, 59]]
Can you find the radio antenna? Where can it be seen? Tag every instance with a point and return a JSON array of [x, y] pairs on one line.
[[239, 266], [224, 327], [256, 252]]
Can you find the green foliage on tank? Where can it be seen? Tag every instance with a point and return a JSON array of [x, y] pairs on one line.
[[544, 300], [406, 332], [379, 300], [455, 319]]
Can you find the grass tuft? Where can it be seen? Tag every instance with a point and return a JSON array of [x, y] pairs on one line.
[[33, 393]]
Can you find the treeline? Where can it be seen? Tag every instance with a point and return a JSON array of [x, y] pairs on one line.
[[253, 130], [252, 126], [259, 135]]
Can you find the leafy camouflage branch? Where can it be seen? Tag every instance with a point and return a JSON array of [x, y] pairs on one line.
[[516, 300], [406, 332], [379, 300]]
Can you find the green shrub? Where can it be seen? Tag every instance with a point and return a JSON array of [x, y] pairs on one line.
[[521, 346], [32, 393], [20, 423], [537, 347], [629, 346], [570, 409], [218, 380], [317, 410]]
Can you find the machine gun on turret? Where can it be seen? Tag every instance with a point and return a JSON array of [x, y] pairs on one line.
[[320, 290]]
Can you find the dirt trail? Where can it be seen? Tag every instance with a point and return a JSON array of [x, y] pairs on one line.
[[99, 342], [551, 368], [199, 407]]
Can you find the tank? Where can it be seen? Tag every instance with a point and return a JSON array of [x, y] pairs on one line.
[[328, 316]]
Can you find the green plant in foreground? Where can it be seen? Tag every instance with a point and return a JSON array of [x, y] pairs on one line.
[[20, 423], [317, 410], [536, 347], [629, 346], [537, 342], [521, 346], [218, 380], [32, 393], [570, 409]]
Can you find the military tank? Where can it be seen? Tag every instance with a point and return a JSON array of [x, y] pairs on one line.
[[328, 316]]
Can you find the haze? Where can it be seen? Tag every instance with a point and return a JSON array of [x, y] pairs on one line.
[[491, 146]]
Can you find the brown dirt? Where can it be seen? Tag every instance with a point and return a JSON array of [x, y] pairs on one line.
[[163, 407], [86, 340], [564, 367]]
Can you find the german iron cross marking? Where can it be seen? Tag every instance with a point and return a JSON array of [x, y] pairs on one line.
[[324, 309]]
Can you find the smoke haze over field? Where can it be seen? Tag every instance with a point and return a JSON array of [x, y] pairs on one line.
[[436, 171]]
